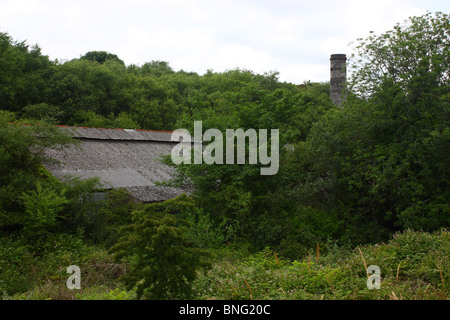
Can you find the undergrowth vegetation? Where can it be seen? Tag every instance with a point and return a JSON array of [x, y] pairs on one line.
[[414, 265]]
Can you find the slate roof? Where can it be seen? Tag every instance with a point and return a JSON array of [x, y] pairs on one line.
[[121, 158], [118, 134]]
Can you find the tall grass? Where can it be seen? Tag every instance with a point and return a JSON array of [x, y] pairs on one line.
[[414, 265]]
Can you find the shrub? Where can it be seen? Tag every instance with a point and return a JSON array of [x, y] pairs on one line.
[[16, 262], [163, 263], [42, 207], [204, 233], [414, 265]]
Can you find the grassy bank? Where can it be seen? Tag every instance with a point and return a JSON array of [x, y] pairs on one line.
[[414, 265]]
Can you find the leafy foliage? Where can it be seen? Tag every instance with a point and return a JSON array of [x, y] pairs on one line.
[[24, 180], [404, 53], [42, 207], [163, 263], [379, 165], [414, 265], [101, 57]]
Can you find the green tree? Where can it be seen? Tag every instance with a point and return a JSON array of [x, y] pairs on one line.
[[152, 102], [156, 68], [419, 45], [238, 195], [22, 68], [163, 262], [41, 111], [23, 178], [42, 207], [380, 164], [91, 119], [101, 57], [89, 86]]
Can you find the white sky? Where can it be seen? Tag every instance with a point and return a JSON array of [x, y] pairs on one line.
[[293, 37]]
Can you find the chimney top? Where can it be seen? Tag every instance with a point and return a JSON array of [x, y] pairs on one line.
[[338, 56]]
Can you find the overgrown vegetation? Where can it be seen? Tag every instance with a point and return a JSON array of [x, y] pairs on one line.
[[412, 267], [365, 183]]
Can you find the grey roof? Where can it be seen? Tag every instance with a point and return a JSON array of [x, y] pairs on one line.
[[120, 158], [118, 134]]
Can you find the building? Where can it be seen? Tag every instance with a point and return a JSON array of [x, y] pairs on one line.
[[121, 158]]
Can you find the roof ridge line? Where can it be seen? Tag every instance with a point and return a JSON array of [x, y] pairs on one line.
[[67, 126]]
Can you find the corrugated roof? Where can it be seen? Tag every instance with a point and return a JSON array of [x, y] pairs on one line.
[[120, 158], [118, 134]]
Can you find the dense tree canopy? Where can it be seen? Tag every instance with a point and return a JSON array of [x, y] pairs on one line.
[[358, 173], [414, 49], [101, 57]]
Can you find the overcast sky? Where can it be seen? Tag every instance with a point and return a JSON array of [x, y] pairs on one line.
[[293, 37]]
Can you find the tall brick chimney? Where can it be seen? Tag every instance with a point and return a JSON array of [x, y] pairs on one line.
[[338, 77]]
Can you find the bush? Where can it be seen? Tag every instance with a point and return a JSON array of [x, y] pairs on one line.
[[16, 263], [162, 261], [103, 218], [47, 276], [42, 207], [205, 234], [414, 265]]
